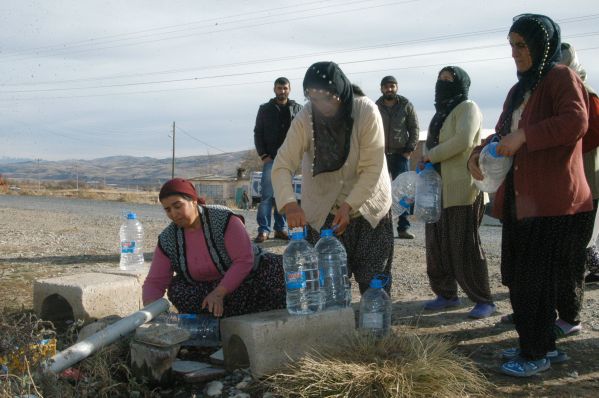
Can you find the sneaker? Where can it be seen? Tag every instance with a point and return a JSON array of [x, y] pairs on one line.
[[405, 235], [520, 367], [482, 310], [441, 302], [564, 329], [555, 356]]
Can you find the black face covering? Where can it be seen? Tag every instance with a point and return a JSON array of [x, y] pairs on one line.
[[448, 95], [543, 39], [331, 134]]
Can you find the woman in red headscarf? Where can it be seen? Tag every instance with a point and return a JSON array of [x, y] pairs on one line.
[[206, 262]]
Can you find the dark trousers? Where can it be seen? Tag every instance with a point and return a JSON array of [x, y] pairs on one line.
[[397, 164], [538, 255]]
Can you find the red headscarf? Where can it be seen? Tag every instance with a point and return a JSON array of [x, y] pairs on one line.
[[180, 186]]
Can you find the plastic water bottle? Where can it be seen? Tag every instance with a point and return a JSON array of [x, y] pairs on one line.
[[403, 190], [302, 277], [375, 309], [428, 195], [203, 328], [132, 237], [332, 263], [493, 166]]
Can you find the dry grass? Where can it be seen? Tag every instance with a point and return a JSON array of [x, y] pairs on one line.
[[399, 365]]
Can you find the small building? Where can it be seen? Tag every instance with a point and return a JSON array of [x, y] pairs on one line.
[[218, 189]]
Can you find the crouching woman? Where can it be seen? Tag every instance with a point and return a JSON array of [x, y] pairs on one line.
[[206, 262]]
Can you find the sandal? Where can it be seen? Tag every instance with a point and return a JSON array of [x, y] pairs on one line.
[[564, 329], [520, 367], [555, 356], [509, 318]]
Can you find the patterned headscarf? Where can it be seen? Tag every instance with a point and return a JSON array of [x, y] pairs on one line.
[[331, 134], [570, 59], [448, 95], [543, 39]]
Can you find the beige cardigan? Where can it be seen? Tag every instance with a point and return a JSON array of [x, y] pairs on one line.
[[363, 181], [459, 135]]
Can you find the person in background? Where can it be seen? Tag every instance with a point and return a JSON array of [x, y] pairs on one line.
[[590, 142], [245, 200], [401, 137], [339, 140], [454, 254], [545, 203], [206, 262], [272, 123]]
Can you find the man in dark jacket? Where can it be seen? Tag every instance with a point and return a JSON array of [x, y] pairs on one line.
[[401, 137], [272, 123]]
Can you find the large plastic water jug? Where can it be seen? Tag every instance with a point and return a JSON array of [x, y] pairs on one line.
[[332, 262], [375, 309], [403, 190], [493, 166], [428, 195]]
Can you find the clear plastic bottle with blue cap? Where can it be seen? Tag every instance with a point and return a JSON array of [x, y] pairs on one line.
[[131, 247], [427, 205], [375, 308], [332, 262], [493, 166], [403, 190], [302, 276]]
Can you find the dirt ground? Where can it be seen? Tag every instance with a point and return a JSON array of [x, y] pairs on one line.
[[40, 243]]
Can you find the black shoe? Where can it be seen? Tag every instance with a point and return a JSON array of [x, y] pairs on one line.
[[405, 235], [591, 278]]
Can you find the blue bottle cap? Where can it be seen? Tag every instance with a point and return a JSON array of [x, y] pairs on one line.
[[376, 284], [326, 232], [428, 166], [493, 150], [131, 216], [297, 235]]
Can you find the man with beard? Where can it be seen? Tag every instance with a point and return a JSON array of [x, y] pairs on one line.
[[272, 123], [401, 137]]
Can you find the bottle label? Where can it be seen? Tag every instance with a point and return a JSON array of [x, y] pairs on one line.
[[372, 321], [295, 280], [127, 246]]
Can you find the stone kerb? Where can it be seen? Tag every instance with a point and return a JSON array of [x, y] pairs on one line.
[[87, 296], [266, 341]]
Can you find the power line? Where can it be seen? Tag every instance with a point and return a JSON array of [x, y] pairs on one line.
[[239, 74], [203, 142], [277, 21], [278, 59]]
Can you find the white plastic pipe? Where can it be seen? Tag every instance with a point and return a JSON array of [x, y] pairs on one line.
[[93, 343]]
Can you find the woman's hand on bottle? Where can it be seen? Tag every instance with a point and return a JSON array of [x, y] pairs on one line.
[[213, 302], [295, 215], [341, 220], [509, 144], [474, 167]]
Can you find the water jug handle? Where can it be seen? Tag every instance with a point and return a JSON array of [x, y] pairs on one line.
[[496, 138]]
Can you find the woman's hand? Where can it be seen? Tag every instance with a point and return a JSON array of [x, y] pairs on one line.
[[213, 302], [295, 215], [509, 145], [474, 167], [341, 220]]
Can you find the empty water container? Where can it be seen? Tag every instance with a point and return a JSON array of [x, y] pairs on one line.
[[428, 195], [403, 190], [493, 166]]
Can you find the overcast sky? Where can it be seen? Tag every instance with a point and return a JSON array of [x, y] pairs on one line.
[[88, 79]]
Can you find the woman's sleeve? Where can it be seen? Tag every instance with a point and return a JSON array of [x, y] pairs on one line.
[[371, 138], [159, 277], [288, 160], [467, 124], [570, 101], [240, 251]]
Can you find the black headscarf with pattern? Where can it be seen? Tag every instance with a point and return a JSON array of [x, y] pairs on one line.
[[543, 39], [331, 134], [448, 95]]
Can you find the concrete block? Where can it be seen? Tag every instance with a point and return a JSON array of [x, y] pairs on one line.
[[88, 296], [266, 341]]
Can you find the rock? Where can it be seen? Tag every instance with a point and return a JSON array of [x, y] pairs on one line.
[[242, 385], [241, 395], [183, 367], [204, 375], [96, 326], [161, 335], [218, 357], [214, 389], [573, 374], [268, 395]]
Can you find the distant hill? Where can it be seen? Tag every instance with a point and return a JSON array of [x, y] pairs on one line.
[[125, 170]]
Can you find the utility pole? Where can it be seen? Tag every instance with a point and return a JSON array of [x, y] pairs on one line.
[[38, 175], [173, 167]]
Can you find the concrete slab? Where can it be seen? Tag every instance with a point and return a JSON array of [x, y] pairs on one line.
[[266, 341], [88, 296]]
